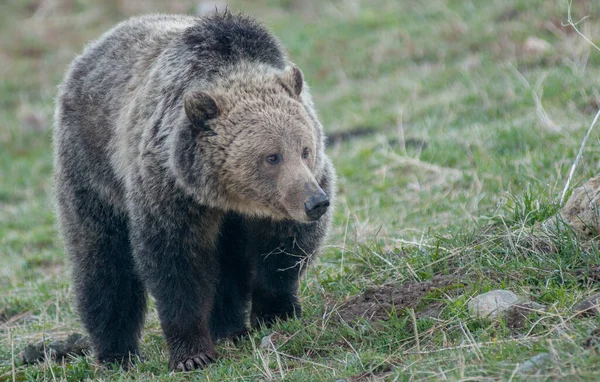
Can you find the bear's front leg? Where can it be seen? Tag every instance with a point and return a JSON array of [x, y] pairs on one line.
[[175, 246], [232, 301], [283, 250]]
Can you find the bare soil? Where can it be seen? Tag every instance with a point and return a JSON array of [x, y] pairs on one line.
[[377, 303]]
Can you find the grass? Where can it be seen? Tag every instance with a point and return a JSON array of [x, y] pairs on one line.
[[473, 135]]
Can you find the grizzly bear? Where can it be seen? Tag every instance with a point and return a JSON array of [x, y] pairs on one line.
[[189, 162]]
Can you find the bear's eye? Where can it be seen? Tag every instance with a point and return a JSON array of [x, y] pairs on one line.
[[274, 158], [305, 153]]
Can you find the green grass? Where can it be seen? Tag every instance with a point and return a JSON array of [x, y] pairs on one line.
[[455, 75]]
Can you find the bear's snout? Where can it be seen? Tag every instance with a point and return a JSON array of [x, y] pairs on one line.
[[316, 206]]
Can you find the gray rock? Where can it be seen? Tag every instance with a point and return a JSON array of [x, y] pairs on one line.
[[266, 342], [588, 307], [492, 303], [580, 213], [533, 363], [535, 45], [271, 341]]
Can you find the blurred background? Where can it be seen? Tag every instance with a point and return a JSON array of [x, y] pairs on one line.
[[392, 67], [446, 100]]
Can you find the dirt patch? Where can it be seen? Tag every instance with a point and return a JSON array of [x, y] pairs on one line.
[[591, 274], [590, 107], [376, 304], [75, 345], [509, 14], [521, 315], [336, 138], [10, 316], [356, 132]]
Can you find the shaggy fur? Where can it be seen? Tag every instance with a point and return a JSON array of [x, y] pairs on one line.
[[162, 130]]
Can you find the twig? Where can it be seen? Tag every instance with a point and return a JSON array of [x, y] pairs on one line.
[[12, 355], [344, 244], [420, 244], [305, 361], [474, 345], [539, 107], [579, 155], [277, 358], [415, 329], [574, 26], [572, 171], [471, 339]]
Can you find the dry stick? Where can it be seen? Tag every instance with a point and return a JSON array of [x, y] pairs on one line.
[[574, 26], [415, 329], [12, 355], [305, 361], [344, 245], [475, 346], [579, 155], [278, 359]]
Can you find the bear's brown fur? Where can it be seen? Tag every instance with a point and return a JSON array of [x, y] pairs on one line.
[[189, 161]]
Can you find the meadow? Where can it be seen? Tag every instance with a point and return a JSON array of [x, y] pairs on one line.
[[452, 125]]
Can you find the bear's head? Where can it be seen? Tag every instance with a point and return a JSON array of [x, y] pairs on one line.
[[255, 146]]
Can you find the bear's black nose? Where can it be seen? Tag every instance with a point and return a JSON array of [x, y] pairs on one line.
[[316, 206]]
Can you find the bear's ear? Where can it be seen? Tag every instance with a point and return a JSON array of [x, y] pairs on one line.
[[199, 108], [292, 78]]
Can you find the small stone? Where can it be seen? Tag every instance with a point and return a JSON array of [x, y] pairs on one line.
[[270, 341], [533, 363], [266, 342], [471, 62], [492, 303], [588, 307], [535, 45]]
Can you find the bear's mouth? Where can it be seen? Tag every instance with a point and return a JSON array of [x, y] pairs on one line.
[[278, 210], [260, 208]]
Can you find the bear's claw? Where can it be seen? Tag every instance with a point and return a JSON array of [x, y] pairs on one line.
[[200, 361]]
